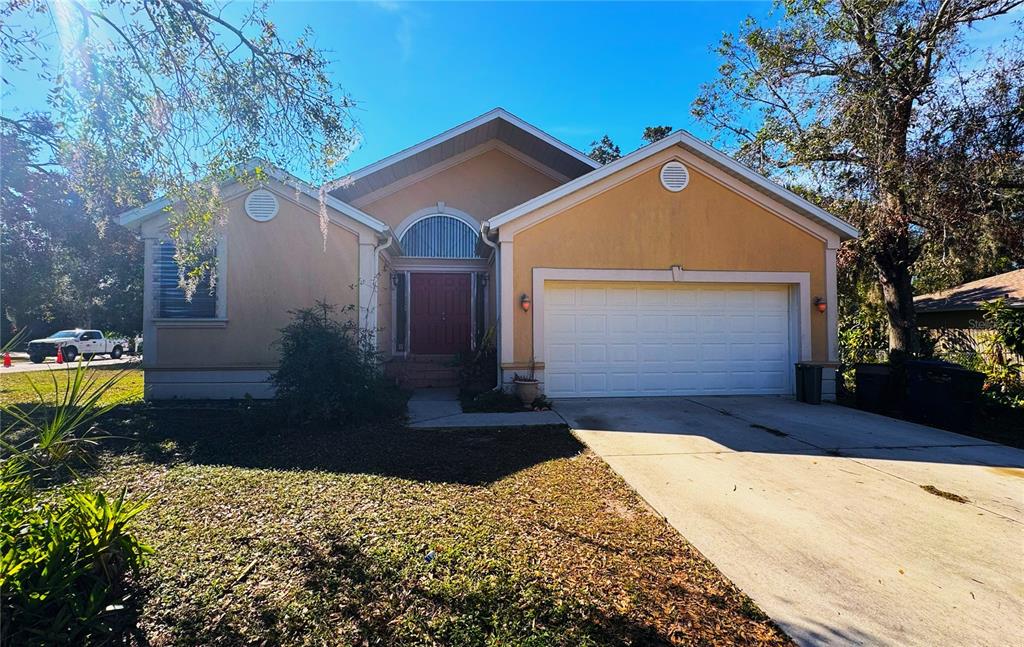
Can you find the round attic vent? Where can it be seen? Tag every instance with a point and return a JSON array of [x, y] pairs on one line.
[[261, 205], [674, 176]]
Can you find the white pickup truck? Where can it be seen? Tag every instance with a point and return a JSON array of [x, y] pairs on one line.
[[87, 343]]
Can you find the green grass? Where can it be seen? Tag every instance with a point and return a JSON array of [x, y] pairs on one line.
[[16, 388], [389, 536]]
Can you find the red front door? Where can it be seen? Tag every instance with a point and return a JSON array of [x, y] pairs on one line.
[[439, 313]]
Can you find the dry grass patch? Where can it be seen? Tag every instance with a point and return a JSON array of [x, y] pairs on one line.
[[389, 536]]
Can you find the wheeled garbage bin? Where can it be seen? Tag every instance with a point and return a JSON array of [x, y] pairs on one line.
[[874, 387], [808, 383], [942, 394]]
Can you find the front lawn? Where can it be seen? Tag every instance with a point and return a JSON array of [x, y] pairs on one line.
[[16, 388], [381, 535]]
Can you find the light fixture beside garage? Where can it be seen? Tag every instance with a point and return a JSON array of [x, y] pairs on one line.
[[524, 302], [261, 205], [674, 176], [820, 304]]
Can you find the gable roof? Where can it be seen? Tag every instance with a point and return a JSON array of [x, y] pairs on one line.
[[496, 124], [705, 151], [970, 296], [139, 214]]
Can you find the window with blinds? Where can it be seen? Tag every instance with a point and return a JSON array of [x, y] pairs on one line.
[[171, 298], [440, 236]]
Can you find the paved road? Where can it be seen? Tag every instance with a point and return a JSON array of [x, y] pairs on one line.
[[819, 513], [51, 365]]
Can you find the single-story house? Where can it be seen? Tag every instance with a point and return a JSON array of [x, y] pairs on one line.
[[674, 270], [960, 306]]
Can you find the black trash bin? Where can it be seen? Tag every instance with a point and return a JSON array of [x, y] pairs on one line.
[[808, 383], [874, 387], [942, 394]]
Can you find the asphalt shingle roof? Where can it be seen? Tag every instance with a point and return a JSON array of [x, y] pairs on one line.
[[970, 296]]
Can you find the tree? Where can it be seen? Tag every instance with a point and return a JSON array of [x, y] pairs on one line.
[[865, 101], [59, 268], [171, 98], [654, 133], [604, 151]]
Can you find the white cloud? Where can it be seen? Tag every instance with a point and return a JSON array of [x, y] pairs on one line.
[[404, 30]]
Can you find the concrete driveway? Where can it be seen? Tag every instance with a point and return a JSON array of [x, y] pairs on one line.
[[820, 513]]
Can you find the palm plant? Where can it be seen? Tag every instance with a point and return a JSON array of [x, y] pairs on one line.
[[65, 552], [61, 426]]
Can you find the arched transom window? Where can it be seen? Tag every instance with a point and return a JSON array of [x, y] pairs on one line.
[[440, 236]]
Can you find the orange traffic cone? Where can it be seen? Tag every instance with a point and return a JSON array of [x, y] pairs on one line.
[[7, 360], [60, 355]]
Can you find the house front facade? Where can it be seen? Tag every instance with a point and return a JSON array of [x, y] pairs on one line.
[[671, 271]]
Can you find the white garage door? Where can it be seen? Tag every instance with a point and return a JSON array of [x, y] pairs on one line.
[[625, 339]]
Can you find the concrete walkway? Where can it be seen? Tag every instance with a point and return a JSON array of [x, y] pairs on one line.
[[820, 514], [440, 409]]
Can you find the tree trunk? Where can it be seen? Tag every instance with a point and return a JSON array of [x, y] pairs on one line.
[[898, 295]]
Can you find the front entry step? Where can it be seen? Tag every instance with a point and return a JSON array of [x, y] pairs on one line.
[[424, 371]]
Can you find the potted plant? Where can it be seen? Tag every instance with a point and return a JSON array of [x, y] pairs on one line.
[[527, 386]]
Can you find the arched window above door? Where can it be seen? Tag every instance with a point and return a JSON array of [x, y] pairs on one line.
[[440, 235]]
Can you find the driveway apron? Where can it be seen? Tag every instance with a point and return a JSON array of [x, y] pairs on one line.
[[844, 526]]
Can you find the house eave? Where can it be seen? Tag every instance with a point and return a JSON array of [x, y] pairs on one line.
[[137, 216], [686, 141], [497, 113]]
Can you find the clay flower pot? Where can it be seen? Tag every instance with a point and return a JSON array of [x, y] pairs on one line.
[[527, 390]]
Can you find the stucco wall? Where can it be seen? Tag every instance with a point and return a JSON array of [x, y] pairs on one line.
[[640, 225], [272, 267], [482, 186], [384, 307]]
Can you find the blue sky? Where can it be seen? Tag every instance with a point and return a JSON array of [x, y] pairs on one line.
[[575, 70]]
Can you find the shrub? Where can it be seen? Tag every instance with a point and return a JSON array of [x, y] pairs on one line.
[[330, 370], [493, 401], [65, 554], [1008, 324], [478, 369], [64, 564], [996, 350], [863, 337], [61, 428]]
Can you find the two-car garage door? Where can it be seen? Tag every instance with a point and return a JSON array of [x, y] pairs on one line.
[[640, 339]]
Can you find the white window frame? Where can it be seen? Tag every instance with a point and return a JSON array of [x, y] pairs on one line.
[[221, 293]]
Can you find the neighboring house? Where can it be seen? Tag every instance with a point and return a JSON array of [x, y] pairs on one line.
[[672, 271], [960, 306]]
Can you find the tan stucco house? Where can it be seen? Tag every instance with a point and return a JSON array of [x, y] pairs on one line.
[[671, 271]]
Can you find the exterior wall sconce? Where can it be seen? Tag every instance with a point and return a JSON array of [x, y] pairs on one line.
[[524, 302], [484, 279], [820, 304], [395, 278]]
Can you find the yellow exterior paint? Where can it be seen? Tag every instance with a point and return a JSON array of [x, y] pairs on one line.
[[384, 296], [482, 186], [272, 267], [638, 224]]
